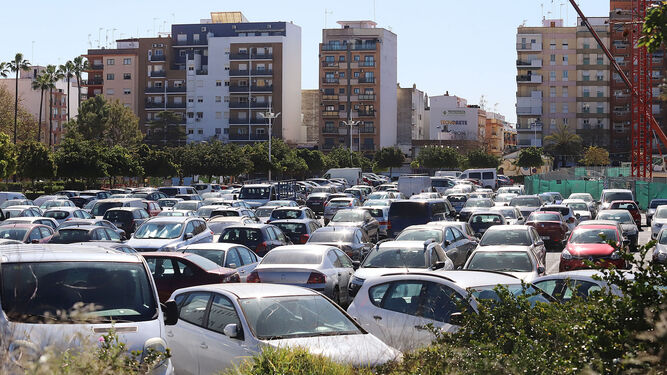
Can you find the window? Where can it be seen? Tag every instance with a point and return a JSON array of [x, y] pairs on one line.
[[127, 76], [600, 93], [341, 58], [566, 108], [586, 108], [191, 131], [565, 59], [587, 92], [111, 61], [552, 92], [552, 76], [564, 91], [599, 75], [127, 61], [565, 45], [586, 75], [438, 304], [110, 76], [218, 83], [193, 308], [552, 59], [218, 99], [341, 74], [599, 60], [200, 99], [565, 75], [599, 108], [200, 115], [552, 45], [127, 91], [110, 91], [552, 108], [200, 131], [218, 115], [403, 297], [587, 60]]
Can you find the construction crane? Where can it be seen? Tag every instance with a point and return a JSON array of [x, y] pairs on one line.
[[644, 125]]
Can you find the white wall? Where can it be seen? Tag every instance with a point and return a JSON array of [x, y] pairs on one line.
[[445, 111], [388, 96]]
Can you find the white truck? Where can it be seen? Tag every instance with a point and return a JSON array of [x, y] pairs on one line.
[[352, 175], [410, 184]]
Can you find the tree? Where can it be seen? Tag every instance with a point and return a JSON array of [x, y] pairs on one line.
[[166, 130], [563, 143], [156, 163], [389, 157], [35, 161], [53, 75], [482, 159], [530, 157], [292, 165], [106, 122], [26, 123], [341, 157], [654, 30], [4, 69], [67, 69], [224, 160], [42, 82], [80, 66], [17, 65], [77, 157], [8, 158], [595, 156], [439, 157], [315, 160], [121, 162]]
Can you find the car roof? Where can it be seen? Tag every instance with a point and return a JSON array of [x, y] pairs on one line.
[[287, 208], [342, 199], [303, 221], [336, 229], [126, 208], [83, 227], [171, 219], [243, 290], [463, 278], [22, 225], [403, 244], [311, 248], [61, 208], [254, 226], [62, 252], [614, 211], [508, 227], [210, 246]]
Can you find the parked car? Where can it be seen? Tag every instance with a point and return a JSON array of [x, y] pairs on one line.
[[516, 189], [659, 220], [234, 211], [504, 199], [154, 195], [404, 213], [588, 198], [526, 204], [631, 207], [218, 224], [227, 255], [168, 203], [282, 213], [590, 242], [580, 208], [397, 307], [298, 230], [82, 201], [95, 222], [336, 204], [260, 238], [652, 206], [281, 203], [222, 325], [358, 218], [84, 233], [563, 286], [623, 217], [264, 213], [325, 269], [521, 263], [20, 211], [126, 218], [170, 233], [17, 202], [171, 191], [98, 194], [56, 203], [512, 215], [152, 207], [482, 220], [176, 270], [457, 200], [50, 222], [609, 195], [660, 251], [381, 214], [408, 256], [519, 237], [191, 205], [550, 226], [26, 233], [101, 206], [457, 246], [62, 214], [352, 241], [177, 213]]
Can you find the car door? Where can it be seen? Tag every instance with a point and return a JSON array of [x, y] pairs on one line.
[[188, 274], [453, 252], [538, 247], [184, 338], [345, 271], [232, 259], [216, 351], [437, 304], [190, 228], [248, 262], [164, 274]]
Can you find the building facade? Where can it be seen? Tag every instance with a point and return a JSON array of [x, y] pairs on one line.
[[114, 74], [494, 133], [411, 117], [310, 116], [452, 119], [358, 80]]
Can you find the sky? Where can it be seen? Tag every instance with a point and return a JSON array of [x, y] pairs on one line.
[[465, 47]]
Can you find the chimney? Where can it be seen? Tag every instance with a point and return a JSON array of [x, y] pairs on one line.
[[447, 93]]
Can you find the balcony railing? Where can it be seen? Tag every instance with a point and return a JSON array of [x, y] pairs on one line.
[[190, 42], [262, 72], [536, 63], [330, 113], [329, 64], [266, 88], [330, 130], [239, 105], [366, 113], [528, 47], [366, 79], [343, 47], [158, 74], [94, 81], [366, 63], [158, 58], [367, 147], [330, 97], [238, 73], [176, 89], [175, 105], [366, 97], [329, 80], [239, 88], [201, 72], [154, 90], [247, 56], [531, 78], [96, 66], [523, 111], [367, 129], [154, 105]]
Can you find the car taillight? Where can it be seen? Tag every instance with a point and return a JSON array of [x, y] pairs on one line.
[[304, 238], [316, 278], [383, 222], [261, 247], [253, 277], [570, 220], [233, 278], [388, 225]]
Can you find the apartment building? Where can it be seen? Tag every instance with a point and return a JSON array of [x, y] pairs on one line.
[[546, 80], [411, 118], [620, 98], [452, 119], [358, 80], [494, 134], [310, 116], [114, 74], [509, 137], [592, 121], [235, 72]]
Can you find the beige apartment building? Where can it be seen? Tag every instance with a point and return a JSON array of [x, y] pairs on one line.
[[114, 73]]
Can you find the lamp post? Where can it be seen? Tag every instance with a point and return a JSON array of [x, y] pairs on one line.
[[270, 116], [441, 128], [351, 123]]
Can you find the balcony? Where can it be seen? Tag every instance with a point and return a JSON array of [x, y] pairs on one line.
[[530, 78], [528, 46], [530, 142], [330, 114], [155, 105], [366, 79], [94, 82], [154, 90], [329, 64], [158, 74], [175, 105], [366, 63], [621, 112], [330, 80], [96, 67], [366, 97], [242, 105], [157, 58], [367, 129], [366, 113], [330, 130], [343, 47], [181, 43], [526, 111], [265, 56], [201, 72], [262, 72], [368, 147], [529, 128], [176, 89], [239, 73], [330, 97], [536, 63], [266, 88], [239, 88]]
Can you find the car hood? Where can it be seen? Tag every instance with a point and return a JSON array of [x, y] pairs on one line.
[[632, 228], [526, 277], [590, 249], [153, 243], [360, 350]]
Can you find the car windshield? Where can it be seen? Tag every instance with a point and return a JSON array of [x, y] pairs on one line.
[[420, 235], [205, 211], [508, 237], [486, 219], [504, 197], [396, 258], [58, 215], [476, 202], [621, 217], [159, 230], [661, 213], [618, 196], [509, 213], [488, 293], [167, 202], [101, 207], [215, 256], [118, 216], [187, 205], [578, 206], [225, 213], [590, 235], [292, 257], [506, 261], [332, 236], [264, 212], [348, 216], [40, 292], [12, 233], [294, 228], [654, 203], [275, 318], [55, 203], [286, 214], [527, 201], [584, 197], [543, 217], [376, 202], [339, 203], [375, 212], [70, 235], [457, 198], [254, 193]]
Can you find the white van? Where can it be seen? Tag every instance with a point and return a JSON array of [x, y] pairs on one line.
[[7, 195], [352, 175], [454, 174], [487, 176], [40, 281], [609, 195], [206, 188], [440, 184], [410, 184]]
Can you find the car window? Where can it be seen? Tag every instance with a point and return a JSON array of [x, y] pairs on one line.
[[439, 302], [403, 297], [246, 257], [193, 308], [186, 269], [334, 259], [280, 235], [376, 293], [449, 235], [100, 234], [190, 228], [35, 234], [457, 234], [271, 234], [221, 313], [45, 232], [232, 260], [344, 259], [112, 235]]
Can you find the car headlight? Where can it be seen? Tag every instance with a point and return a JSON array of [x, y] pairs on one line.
[[615, 255], [155, 350], [566, 255]]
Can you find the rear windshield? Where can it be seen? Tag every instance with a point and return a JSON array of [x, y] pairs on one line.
[[101, 207], [264, 212], [296, 228], [486, 219], [118, 215], [225, 213], [457, 198], [527, 201], [506, 261], [375, 212], [621, 217], [241, 234], [344, 203], [169, 191], [409, 209], [441, 183], [506, 237], [618, 196], [12, 234], [292, 257], [286, 214], [578, 206], [562, 210], [58, 215], [396, 258], [479, 203], [332, 236], [70, 235], [420, 235], [543, 217], [658, 202]]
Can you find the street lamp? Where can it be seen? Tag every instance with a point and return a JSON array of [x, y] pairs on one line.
[[442, 129], [270, 116], [351, 123]]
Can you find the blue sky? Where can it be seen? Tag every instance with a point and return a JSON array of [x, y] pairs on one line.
[[462, 46]]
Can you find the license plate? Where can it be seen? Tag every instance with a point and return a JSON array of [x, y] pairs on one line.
[[545, 237]]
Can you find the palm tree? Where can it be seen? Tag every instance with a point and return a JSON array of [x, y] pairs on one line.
[[17, 65], [563, 143], [53, 75], [4, 69], [67, 70], [42, 82], [80, 66]]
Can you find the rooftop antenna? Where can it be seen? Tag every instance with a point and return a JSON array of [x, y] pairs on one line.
[[32, 56], [113, 35], [482, 102], [173, 18], [542, 7], [523, 24], [154, 19], [561, 11], [99, 37], [326, 14]]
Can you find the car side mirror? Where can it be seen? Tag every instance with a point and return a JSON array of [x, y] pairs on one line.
[[539, 243], [456, 319], [447, 243], [231, 331], [188, 236], [438, 265], [123, 237], [356, 264], [540, 270], [170, 311]]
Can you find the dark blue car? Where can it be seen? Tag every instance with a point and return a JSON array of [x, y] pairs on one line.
[[404, 213]]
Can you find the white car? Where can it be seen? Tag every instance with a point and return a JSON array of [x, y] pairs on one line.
[[170, 233], [581, 209], [512, 215], [61, 214], [504, 199], [397, 308], [518, 237], [221, 325], [659, 220], [229, 255], [519, 262]]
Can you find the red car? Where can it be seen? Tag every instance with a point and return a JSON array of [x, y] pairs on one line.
[[631, 207], [152, 207], [173, 271], [589, 242], [550, 226]]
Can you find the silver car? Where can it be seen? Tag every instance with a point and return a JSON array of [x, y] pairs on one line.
[[325, 269], [660, 251], [228, 255], [338, 204]]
